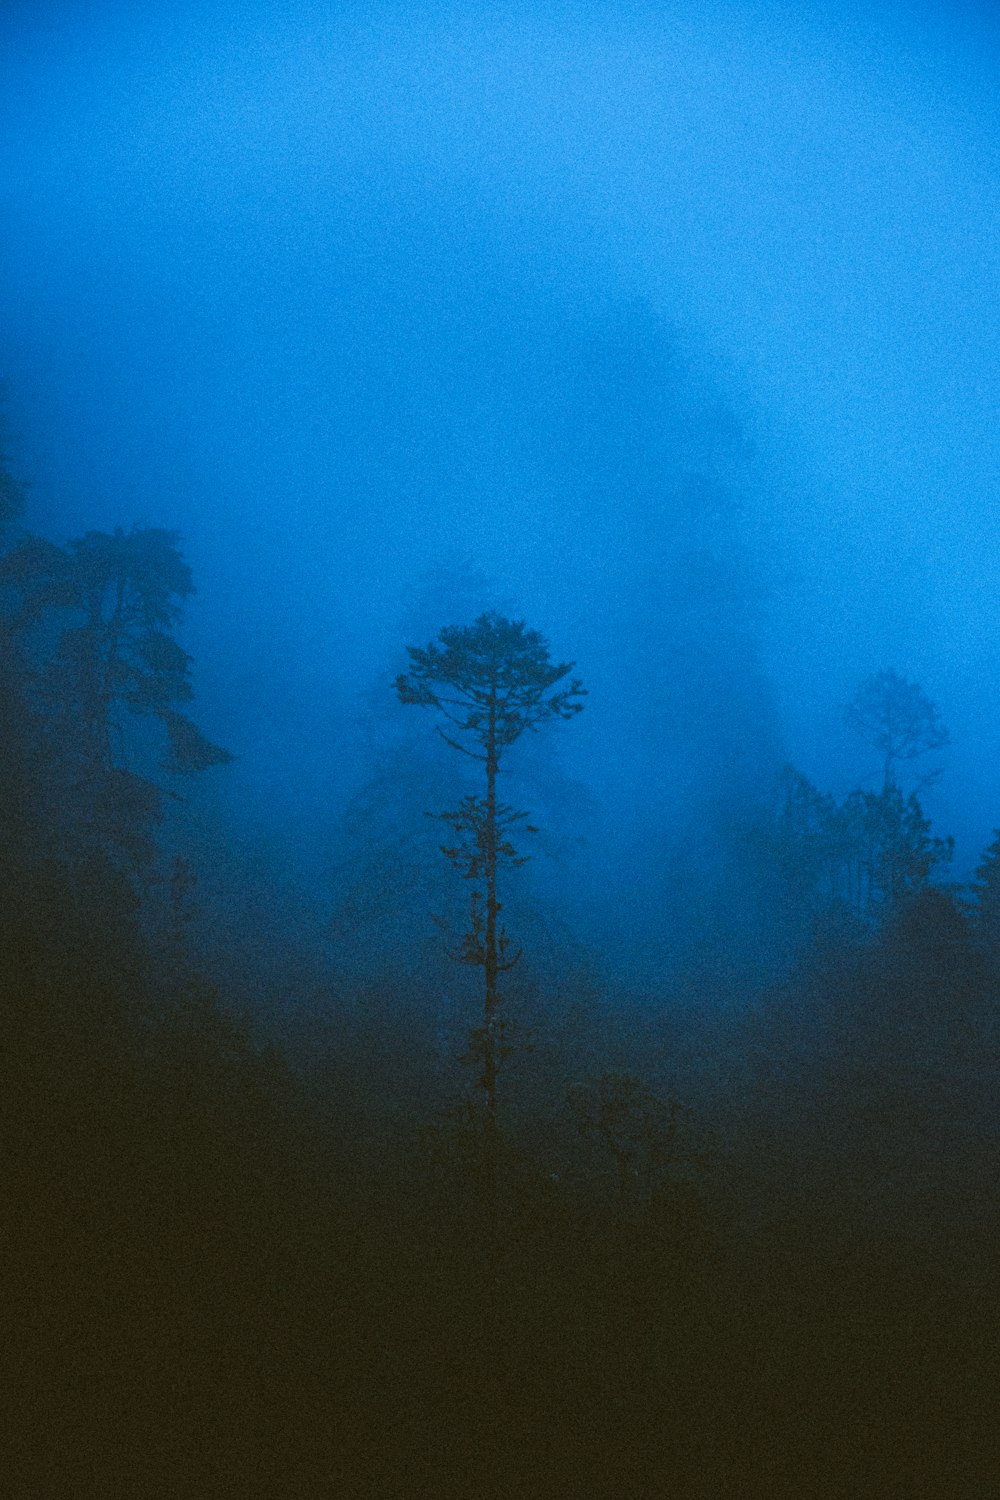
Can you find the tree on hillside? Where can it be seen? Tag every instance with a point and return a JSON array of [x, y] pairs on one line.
[[886, 850], [865, 856], [896, 718], [386, 873], [11, 489], [96, 623], [986, 917], [489, 682]]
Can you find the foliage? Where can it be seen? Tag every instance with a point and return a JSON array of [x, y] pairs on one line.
[[865, 855], [986, 888], [95, 623], [217, 1282], [885, 850], [491, 681], [896, 718], [11, 494]]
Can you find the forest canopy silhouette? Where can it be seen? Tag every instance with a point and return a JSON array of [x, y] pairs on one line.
[[499, 778], [559, 1242]]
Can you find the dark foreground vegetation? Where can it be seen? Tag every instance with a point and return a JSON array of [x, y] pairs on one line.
[[753, 1256]]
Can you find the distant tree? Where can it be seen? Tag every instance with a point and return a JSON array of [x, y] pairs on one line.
[[986, 917], [912, 1048], [865, 855], [896, 718], [842, 868], [885, 850], [490, 682], [11, 491], [802, 840], [97, 620]]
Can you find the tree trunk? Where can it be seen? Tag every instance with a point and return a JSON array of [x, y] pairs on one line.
[[491, 968]]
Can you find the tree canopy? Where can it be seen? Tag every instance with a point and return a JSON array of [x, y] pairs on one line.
[[896, 717], [491, 681]]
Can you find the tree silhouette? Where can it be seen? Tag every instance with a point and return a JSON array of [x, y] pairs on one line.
[[986, 917], [896, 718], [97, 618], [490, 682], [11, 489], [886, 850], [865, 856]]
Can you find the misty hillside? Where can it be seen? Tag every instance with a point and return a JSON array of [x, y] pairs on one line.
[[499, 799]]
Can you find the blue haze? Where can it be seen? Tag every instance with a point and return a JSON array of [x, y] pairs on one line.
[[590, 297]]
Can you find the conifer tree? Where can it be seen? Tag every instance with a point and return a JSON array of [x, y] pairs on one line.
[[896, 717], [489, 682], [96, 620]]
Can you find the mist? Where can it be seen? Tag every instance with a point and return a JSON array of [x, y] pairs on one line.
[[671, 333], [276, 281]]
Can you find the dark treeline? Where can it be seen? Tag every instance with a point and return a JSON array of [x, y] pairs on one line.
[[555, 1244]]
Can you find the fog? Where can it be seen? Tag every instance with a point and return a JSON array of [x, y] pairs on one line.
[[573, 296], [672, 332], [335, 295]]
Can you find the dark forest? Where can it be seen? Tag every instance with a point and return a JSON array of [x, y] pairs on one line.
[[550, 1245], [499, 750]]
